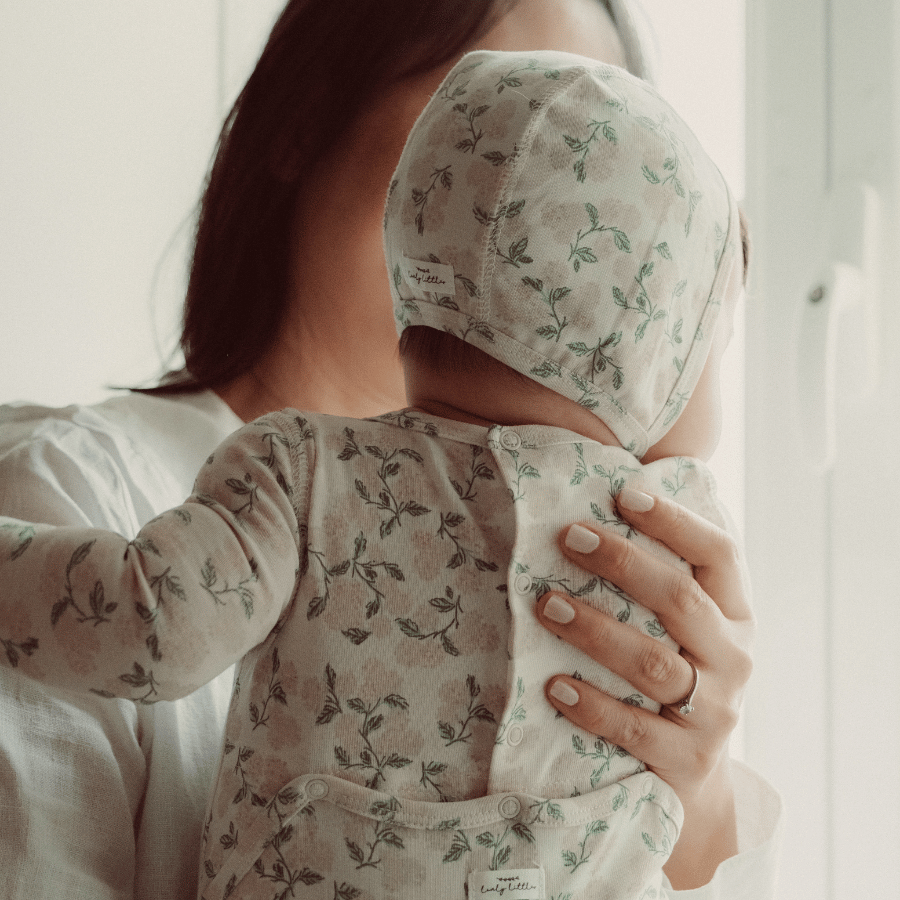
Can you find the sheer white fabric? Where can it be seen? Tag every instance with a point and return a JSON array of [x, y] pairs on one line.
[[102, 799]]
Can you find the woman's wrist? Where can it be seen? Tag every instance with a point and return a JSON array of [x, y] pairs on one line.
[[709, 834]]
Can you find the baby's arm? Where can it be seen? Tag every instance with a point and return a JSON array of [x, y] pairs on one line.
[[156, 617]]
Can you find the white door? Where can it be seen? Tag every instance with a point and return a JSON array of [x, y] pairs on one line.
[[823, 436]]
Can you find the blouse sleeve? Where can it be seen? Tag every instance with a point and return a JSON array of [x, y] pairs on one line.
[[751, 875], [156, 617]]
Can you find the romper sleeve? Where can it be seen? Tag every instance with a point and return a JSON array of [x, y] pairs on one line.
[[156, 617], [751, 874]]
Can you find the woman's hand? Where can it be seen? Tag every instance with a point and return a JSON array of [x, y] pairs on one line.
[[709, 615]]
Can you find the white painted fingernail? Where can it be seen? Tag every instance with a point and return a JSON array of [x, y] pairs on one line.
[[636, 501], [557, 610], [581, 539], [564, 692]]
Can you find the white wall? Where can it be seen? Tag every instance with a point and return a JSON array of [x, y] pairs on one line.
[[823, 533], [108, 115]]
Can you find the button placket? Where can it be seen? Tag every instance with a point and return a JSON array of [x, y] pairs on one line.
[[514, 735], [523, 583], [316, 789]]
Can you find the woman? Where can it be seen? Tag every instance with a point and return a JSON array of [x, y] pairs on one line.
[[288, 306]]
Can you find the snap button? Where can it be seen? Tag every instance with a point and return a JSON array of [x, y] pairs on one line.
[[522, 583], [510, 440], [317, 789], [510, 807], [514, 735], [648, 785]]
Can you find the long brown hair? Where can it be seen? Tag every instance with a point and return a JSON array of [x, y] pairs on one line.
[[304, 94]]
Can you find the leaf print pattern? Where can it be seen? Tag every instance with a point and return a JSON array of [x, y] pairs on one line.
[[270, 438], [478, 469], [429, 773], [318, 603], [475, 712], [492, 221], [282, 873], [511, 79], [573, 862], [23, 534], [161, 584], [420, 197], [259, 716], [670, 169], [541, 584], [675, 485], [14, 648], [498, 157], [451, 90], [384, 833], [517, 714], [478, 327], [100, 610], [642, 302], [244, 488], [580, 253], [675, 405], [209, 583], [138, 678], [244, 755], [600, 359], [369, 760], [450, 604], [367, 571], [389, 467], [450, 522], [602, 755], [582, 146], [524, 469], [407, 419], [516, 255], [332, 705], [468, 144], [551, 298]]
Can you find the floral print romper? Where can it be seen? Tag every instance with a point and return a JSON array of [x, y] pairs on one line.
[[388, 734]]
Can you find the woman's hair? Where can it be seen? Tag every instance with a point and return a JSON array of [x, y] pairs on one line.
[[323, 65]]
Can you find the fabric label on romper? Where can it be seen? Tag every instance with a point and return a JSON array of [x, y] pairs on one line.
[[511, 884], [423, 276]]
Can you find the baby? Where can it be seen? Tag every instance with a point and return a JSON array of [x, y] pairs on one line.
[[560, 249]]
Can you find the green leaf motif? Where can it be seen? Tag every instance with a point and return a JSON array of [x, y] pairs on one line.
[[547, 369]]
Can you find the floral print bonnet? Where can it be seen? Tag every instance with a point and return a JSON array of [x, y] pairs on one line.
[[556, 213]]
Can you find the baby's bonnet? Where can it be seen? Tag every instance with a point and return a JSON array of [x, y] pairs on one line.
[[556, 213]]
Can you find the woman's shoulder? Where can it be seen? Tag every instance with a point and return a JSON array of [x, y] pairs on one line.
[[112, 464]]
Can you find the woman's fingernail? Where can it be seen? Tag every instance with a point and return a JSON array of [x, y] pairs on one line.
[[636, 501], [581, 539], [557, 610], [564, 692]]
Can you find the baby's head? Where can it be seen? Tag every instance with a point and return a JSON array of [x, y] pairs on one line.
[[556, 214]]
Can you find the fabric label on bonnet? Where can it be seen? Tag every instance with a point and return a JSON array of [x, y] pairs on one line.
[[511, 884], [423, 276]]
